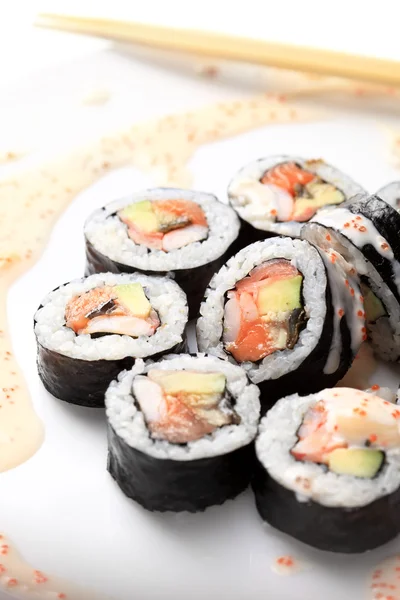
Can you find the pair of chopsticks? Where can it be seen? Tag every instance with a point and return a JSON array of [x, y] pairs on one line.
[[221, 46]]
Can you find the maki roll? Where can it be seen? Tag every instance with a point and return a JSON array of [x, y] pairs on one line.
[[279, 193], [180, 233], [328, 469], [270, 309], [365, 232], [181, 432], [88, 330], [390, 193]]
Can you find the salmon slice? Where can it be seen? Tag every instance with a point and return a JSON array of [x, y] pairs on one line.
[[166, 224], [80, 307], [180, 424], [249, 335], [153, 240], [315, 441], [272, 270], [100, 311], [286, 176], [181, 208]]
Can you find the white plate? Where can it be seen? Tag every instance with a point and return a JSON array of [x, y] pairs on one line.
[[61, 508]]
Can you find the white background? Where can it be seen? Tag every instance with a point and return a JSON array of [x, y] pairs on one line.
[[61, 508]]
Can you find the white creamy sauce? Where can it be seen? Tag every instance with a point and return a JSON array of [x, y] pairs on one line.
[[356, 228], [347, 303]]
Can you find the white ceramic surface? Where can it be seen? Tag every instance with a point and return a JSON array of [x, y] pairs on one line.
[[61, 508]]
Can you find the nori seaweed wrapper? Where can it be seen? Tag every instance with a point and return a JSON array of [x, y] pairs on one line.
[[387, 222], [192, 281], [348, 530], [83, 382], [173, 485]]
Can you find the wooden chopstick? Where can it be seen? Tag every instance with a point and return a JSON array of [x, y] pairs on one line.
[[221, 46]]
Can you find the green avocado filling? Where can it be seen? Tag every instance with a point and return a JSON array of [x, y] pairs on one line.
[[373, 307], [358, 462], [132, 296]]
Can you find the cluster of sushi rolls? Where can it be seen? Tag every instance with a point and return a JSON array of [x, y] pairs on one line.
[[328, 469], [271, 309], [390, 193], [165, 231], [181, 432], [89, 330], [364, 232], [278, 194]]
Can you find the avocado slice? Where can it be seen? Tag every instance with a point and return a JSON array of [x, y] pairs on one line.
[[142, 215], [132, 296], [316, 194], [190, 382], [280, 296], [359, 462], [373, 307]]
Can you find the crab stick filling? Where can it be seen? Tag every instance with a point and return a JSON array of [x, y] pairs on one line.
[[264, 312], [183, 406], [298, 193], [348, 431], [165, 224], [122, 309]]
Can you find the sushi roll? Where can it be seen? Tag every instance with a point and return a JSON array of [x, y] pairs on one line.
[[279, 193], [365, 232], [181, 432], [89, 330], [270, 310], [328, 469], [390, 193], [180, 233]]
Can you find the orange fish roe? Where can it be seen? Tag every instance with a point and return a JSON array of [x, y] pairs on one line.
[[375, 387], [286, 561], [384, 246], [12, 582], [340, 312], [328, 238], [362, 229], [360, 313], [346, 282], [372, 438], [39, 577], [347, 224], [358, 218], [351, 291], [273, 212]]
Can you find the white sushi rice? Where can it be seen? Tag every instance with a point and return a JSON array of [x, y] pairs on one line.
[[278, 435], [129, 424], [307, 260], [253, 212], [164, 295], [108, 234]]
